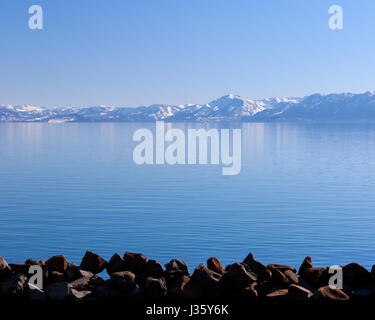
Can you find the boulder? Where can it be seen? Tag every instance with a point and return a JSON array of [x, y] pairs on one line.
[[135, 262], [278, 278], [355, 275], [5, 269], [250, 291], [123, 281], [57, 291], [20, 267], [191, 290], [12, 285], [154, 269], [297, 279], [277, 294], [257, 267], [80, 284], [215, 265], [317, 277], [237, 277], [104, 291], [206, 278], [57, 263], [55, 276], [297, 292], [79, 295], [305, 265], [176, 285], [116, 263], [281, 267], [176, 266], [32, 262], [34, 293], [93, 262], [330, 293], [155, 288]]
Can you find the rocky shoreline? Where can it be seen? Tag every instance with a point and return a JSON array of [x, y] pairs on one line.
[[132, 276]]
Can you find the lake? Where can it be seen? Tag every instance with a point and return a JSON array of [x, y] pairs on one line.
[[303, 189]]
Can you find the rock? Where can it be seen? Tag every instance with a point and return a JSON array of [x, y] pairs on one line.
[[215, 265], [34, 293], [79, 295], [123, 281], [278, 294], [250, 291], [299, 293], [258, 268], [191, 290], [57, 263], [175, 286], [317, 277], [278, 278], [80, 284], [281, 267], [116, 263], [20, 267], [57, 291], [155, 288], [93, 262], [32, 262], [84, 274], [96, 281], [177, 266], [136, 293], [206, 278], [298, 280], [364, 292], [329, 293], [55, 276], [103, 291], [12, 285], [5, 269], [373, 270], [237, 277], [355, 275], [135, 262], [154, 269], [305, 265]]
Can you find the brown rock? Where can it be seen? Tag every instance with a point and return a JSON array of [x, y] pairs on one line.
[[154, 268], [155, 288], [237, 277], [135, 262], [355, 275], [281, 267], [250, 291], [57, 263], [278, 278], [191, 290], [278, 294], [55, 276], [258, 268], [175, 286], [116, 263], [330, 293], [12, 285], [317, 277], [123, 281], [57, 291], [32, 262], [215, 265], [298, 280], [177, 266], [305, 265], [20, 267], [206, 278], [5, 269], [299, 293], [93, 262]]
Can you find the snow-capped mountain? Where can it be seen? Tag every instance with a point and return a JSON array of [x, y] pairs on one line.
[[317, 107]]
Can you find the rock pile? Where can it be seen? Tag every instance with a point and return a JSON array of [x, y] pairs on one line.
[[134, 276]]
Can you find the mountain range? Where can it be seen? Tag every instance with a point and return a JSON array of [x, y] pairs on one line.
[[344, 107]]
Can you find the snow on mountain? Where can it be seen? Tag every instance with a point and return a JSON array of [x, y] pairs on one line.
[[316, 107]]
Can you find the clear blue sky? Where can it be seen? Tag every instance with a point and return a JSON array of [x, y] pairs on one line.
[[130, 53]]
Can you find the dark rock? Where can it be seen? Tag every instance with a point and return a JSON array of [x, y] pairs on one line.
[[79, 295], [298, 280], [277, 294], [20, 267], [55, 276], [329, 293], [299, 293], [305, 265], [80, 284], [237, 277], [278, 278], [93, 262], [34, 293], [258, 268], [215, 265], [103, 291], [176, 285], [136, 293], [116, 263], [364, 292], [57, 291], [12, 285], [191, 290], [317, 277], [96, 281], [135, 262], [355, 275], [123, 281], [154, 269], [250, 292], [84, 274], [5, 269], [57, 263], [155, 288], [177, 266], [32, 262], [206, 278], [281, 267]]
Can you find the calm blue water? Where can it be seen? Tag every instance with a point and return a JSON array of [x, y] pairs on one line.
[[303, 189]]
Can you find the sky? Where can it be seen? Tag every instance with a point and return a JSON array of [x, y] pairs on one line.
[[132, 53]]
